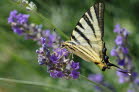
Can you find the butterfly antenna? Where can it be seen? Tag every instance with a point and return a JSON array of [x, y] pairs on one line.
[[120, 69]]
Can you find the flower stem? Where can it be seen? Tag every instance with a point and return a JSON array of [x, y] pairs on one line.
[[35, 84], [48, 21], [97, 84]]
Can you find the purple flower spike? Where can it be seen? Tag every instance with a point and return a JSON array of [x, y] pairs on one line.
[[114, 52], [60, 52], [22, 18], [41, 60], [12, 16], [54, 58], [125, 50], [60, 74], [46, 33], [117, 28], [75, 66], [52, 39], [134, 75], [43, 40], [17, 30], [56, 74], [74, 74], [58, 63], [121, 52], [121, 62], [18, 18], [119, 40], [53, 74]]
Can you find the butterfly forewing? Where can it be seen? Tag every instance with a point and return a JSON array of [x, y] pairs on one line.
[[99, 10], [88, 31]]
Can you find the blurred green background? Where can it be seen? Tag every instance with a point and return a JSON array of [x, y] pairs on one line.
[[18, 59]]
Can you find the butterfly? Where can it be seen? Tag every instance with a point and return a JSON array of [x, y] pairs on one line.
[[87, 38]]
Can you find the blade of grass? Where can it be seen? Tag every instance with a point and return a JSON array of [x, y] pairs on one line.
[[36, 84]]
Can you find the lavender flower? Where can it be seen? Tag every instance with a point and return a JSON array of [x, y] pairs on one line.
[[74, 74], [17, 30], [117, 29], [17, 18], [125, 50], [49, 54], [119, 40], [12, 16], [56, 74], [21, 26], [121, 52], [114, 52], [75, 65], [58, 65]]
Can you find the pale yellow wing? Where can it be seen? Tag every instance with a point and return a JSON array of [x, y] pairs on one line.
[[89, 30]]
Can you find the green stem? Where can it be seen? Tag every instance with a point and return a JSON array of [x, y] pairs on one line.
[[48, 21], [35, 84], [97, 84]]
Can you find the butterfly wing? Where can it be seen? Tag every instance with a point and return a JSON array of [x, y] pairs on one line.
[[89, 30], [87, 37], [99, 11]]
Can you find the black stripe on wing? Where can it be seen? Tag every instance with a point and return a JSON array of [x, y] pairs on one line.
[[99, 10], [82, 35], [79, 49], [89, 23], [89, 13], [74, 38], [80, 25]]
